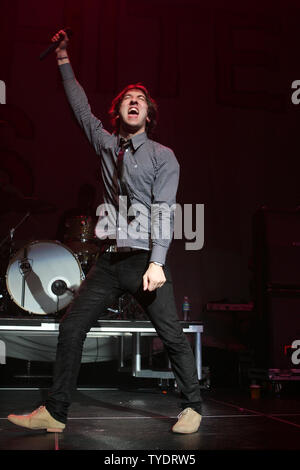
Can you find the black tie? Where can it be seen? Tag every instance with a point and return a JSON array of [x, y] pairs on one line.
[[124, 144]]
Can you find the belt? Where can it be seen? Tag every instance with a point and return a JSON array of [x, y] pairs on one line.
[[121, 249]]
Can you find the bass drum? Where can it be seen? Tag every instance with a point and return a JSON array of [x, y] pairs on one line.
[[43, 276]]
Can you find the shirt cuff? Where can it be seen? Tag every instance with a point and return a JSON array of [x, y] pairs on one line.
[[158, 254]]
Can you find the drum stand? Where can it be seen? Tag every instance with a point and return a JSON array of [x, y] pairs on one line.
[[11, 234], [25, 268], [10, 238]]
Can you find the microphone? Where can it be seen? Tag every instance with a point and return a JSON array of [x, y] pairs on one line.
[[54, 45], [59, 287]]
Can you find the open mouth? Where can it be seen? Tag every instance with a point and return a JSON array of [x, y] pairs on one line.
[[133, 111]]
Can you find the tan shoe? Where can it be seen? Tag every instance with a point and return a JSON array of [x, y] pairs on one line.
[[38, 419], [188, 422]]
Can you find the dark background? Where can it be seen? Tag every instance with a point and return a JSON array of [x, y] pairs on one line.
[[221, 73]]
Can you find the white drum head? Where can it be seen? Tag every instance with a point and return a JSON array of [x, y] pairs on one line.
[[30, 276]]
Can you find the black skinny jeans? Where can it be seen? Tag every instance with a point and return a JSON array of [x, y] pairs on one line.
[[111, 276]]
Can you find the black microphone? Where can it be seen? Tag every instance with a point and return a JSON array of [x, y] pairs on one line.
[[54, 45], [59, 287]]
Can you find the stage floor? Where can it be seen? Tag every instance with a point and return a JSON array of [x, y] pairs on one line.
[[115, 419]]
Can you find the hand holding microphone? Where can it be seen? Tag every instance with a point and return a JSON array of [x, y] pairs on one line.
[[59, 43], [61, 39]]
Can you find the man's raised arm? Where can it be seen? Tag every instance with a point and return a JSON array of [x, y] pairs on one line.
[[76, 96]]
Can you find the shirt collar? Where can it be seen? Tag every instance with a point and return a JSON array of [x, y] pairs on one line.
[[136, 140]]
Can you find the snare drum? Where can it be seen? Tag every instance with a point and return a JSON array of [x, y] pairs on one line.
[[43, 276]]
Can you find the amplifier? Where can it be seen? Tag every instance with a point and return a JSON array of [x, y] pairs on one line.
[[232, 307]]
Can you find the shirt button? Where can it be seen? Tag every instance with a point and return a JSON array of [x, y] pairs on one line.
[[135, 166]]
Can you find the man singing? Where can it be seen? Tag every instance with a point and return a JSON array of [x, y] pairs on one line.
[[145, 174]]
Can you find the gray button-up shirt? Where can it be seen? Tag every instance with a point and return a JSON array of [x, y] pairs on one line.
[[150, 177]]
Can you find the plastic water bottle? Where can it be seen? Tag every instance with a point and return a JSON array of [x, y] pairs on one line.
[[186, 309]]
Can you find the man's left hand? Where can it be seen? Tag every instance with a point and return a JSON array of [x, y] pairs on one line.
[[154, 277]]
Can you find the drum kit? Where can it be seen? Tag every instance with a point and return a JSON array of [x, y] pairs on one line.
[[43, 276]]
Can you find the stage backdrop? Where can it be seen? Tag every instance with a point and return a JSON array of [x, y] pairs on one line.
[[222, 74]]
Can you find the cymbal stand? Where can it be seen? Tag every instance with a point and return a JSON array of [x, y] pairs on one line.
[[10, 235], [10, 238]]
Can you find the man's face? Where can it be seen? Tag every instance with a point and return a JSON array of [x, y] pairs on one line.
[[133, 111]]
